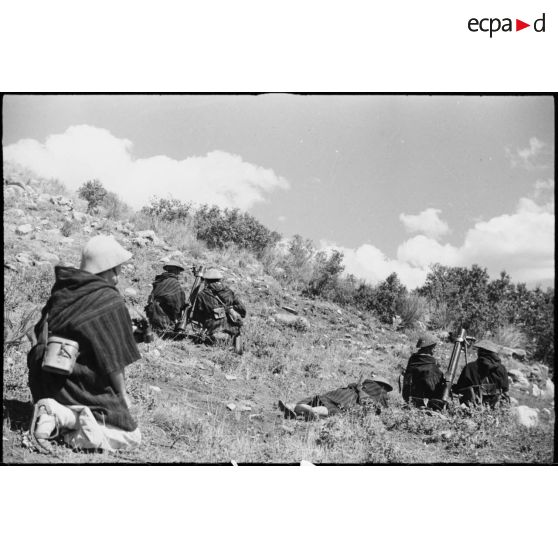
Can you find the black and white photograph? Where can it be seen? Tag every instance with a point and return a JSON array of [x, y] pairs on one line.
[[278, 278]]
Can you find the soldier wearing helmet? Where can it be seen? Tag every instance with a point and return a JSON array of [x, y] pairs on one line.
[[484, 380], [423, 381], [218, 308], [372, 390]]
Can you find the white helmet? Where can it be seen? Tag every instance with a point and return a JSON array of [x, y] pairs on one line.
[[102, 253]]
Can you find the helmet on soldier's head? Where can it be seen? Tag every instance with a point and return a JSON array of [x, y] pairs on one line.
[[174, 263], [487, 345], [213, 274], [102, 253], [383, 381], [426, 340]]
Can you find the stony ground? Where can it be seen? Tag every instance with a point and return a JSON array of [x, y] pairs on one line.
[[208, 405]]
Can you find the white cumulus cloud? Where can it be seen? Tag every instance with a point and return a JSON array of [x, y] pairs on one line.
[[369, 263], [85, 152], [533, 156], [522, 243], [427, 222]]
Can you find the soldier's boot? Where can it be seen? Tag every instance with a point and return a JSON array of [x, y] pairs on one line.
[[49, 418]]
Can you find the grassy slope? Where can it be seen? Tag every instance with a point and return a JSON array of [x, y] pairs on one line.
[[188, 419]]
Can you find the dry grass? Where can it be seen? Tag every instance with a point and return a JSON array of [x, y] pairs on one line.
[[411, 309], [187, 420], [510, 336]]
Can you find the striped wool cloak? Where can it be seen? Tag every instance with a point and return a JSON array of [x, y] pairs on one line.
[[85, 308], [166, 301]]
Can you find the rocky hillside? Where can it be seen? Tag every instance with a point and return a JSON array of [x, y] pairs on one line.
[[201, 404]]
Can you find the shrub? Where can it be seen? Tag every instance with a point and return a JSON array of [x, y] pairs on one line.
[[411, 309], [326, 274], [114, 207], [384, 299], [292, 264], [168, 209], [464, 292], [93, 192], [69, 227], [220, 228], [509, 335]]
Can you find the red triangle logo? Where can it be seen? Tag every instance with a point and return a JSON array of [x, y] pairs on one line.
[[519, 25]]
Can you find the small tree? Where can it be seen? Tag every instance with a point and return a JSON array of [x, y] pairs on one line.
[[388, 295], [327, 271], [93, 192]]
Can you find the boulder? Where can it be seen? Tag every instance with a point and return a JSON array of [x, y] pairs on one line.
[[80, 216], [15, 212], [61, 201], [24, 258], [519, 354], [48, 257], [141, 242], [548, 391], [147, 234], [537, 373], [43, 264], [526, 416], [44, 198], [518, 377], [24, 229], [536, 391], [130, 292], [506, 351], [297, 322]]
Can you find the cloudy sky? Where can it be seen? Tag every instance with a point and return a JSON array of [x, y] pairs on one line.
[[395, 182]]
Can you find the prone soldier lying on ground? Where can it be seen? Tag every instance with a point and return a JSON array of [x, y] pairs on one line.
[[373, 390]]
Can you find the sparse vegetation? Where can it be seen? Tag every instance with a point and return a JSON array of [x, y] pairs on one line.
[[180, 391], [93, 192]]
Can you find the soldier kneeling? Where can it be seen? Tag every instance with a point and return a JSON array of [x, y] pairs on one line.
[[217, 308]]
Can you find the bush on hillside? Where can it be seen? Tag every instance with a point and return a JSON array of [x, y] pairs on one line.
[[464, 293], [387, 298], [115, 208], [326, 274], [220, 228], [411, 309], [509, 335], [292, 264], [168, 209], [93, 192], [467, 298], [69, 227]]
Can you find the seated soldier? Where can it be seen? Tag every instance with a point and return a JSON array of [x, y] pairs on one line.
[[484, 380], [167, 300], [217, 308], [88, 404], [373, 390], [423, 381]]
